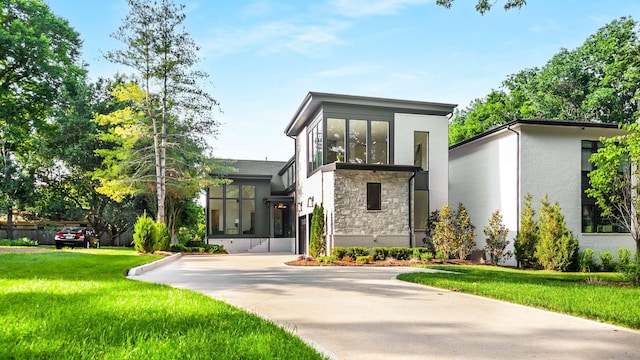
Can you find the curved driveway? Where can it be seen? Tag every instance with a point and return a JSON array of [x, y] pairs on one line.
[[365, 313]]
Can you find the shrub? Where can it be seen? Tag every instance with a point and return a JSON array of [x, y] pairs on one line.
[[144, 234], [317, 242], [445, 235], [624, 256], [215, 249], [355, 251], [326, 259], [361, 260], [631, 272], [416, 253], [557, 248], [347, 259], [380, 253], [426, 256], [606, 259], [400, 253], [441, 256], [527, 238], [466, 233], [339, 252], [497, 241], [178, 248], [587, 261], [163, 239], [18, 242]]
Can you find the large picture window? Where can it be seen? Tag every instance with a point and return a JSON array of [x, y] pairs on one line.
[[592, 219], [232, 209], [357, 141]]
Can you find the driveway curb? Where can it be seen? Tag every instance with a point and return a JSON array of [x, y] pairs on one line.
[[139, 270]]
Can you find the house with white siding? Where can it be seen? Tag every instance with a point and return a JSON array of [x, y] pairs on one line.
[[496, 169]]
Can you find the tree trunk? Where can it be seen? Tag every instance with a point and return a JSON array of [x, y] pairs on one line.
[[9, 221]]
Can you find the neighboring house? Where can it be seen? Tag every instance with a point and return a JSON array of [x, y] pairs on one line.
[[378, 166], [495, 170], [256, 211]]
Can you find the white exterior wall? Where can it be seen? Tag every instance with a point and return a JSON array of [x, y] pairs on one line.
[[551, 164], [438, 129], [483, 176]]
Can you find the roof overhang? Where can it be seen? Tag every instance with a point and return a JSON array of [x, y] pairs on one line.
[[313, 100]]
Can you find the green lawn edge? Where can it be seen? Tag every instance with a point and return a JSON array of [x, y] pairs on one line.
[[596, 296], [79, 304]]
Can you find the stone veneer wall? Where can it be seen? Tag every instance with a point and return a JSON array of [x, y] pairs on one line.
[[351, 216]]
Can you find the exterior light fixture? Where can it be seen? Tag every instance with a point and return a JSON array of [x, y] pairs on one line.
[[310, 201]]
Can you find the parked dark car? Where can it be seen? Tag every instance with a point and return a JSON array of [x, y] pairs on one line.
[[75, 236]]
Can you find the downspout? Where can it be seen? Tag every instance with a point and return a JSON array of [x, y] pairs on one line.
[[517, 176], [409, 212]]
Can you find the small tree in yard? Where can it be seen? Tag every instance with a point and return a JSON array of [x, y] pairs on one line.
[[144, 234], [466, 233], [497, 241], [445, 235], [615, 180], [527, 237], [317, 242], [557, 248]]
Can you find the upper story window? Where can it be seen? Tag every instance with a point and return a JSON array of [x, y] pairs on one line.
[[288, 177], [421, 150], [315, 154], [349, 140]]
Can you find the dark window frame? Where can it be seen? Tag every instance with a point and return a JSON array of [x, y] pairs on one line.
[[592, 221], [240, 198], [374, 196]]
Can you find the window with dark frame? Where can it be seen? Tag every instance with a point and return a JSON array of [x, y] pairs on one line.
[[374, 196], [592, 219], [232, 209]]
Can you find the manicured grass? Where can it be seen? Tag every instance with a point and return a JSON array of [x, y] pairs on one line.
[[78, 304], [569, 293]]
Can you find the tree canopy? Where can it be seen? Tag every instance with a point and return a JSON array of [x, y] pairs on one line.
[[482, 6], [598, 81]]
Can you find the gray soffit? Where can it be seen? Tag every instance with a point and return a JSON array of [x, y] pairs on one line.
[[313, 100]]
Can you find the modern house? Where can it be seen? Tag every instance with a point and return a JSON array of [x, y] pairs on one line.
[[496, 169], [377, 165]]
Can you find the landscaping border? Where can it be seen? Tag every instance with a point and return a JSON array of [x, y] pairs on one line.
[[139, 270]]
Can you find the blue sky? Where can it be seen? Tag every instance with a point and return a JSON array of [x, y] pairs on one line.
[[263, 56]]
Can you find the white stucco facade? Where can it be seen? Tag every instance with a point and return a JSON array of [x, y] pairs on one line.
[[405, 125], [497, 170]]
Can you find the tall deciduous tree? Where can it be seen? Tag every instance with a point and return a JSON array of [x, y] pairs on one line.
[[38, 53], [164, 55], [615, 180]]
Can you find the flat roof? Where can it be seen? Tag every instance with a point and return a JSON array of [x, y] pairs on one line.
[[545, 122], [313, 100]]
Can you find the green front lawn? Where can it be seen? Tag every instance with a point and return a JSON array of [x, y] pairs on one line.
[[78, 304], [596, 296]]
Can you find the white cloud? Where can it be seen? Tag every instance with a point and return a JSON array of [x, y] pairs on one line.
[[274, 37], [362, 8]]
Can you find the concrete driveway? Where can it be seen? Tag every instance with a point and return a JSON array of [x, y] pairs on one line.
[[365, 313]]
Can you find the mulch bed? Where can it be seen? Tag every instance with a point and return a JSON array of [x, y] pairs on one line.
[[388, 262]]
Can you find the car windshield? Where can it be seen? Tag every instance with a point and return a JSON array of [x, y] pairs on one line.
[[70, 229]]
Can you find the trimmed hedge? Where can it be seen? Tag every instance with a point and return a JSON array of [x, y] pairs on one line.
[[205, 248], [380, 253], [400, 253]]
